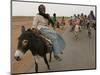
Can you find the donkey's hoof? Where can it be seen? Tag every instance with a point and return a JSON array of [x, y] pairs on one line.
[[49, 60], [49, 68]]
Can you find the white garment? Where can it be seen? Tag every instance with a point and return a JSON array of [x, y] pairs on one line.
[[77, 28], [39, 22], [57, 41]]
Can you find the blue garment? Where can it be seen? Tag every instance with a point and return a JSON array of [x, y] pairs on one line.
[[57, 40]]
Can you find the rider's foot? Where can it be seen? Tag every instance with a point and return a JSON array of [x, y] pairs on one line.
[[61, 52], [57, 57]]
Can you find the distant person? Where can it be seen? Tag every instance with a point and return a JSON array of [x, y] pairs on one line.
[[41, 22], [82, 19], [91, 15], [76, 31], [91, 23], [92, 19], [63, 20], [53, 18], [74, 16], [78, 15], [77, 27], [86, 21], [73, 22], [70, 21], [22, 29], [89, 31]]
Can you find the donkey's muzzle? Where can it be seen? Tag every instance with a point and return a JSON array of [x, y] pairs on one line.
[[18, 58]]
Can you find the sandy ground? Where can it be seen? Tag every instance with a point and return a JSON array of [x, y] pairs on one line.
[[78, 54], [26, 63]]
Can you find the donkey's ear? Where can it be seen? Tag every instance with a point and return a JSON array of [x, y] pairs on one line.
[[29, 29], [23, 29]]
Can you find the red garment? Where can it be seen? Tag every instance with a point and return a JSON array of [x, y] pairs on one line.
[[77, 22]]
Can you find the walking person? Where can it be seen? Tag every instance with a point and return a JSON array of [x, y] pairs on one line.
[[73, 23], [89, 31], [53, 21], [77, 28], [92, 19]]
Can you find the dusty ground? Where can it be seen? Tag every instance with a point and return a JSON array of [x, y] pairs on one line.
[[25, 64], [78, 54]]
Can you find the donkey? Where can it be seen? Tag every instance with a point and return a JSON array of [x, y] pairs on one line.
[[33, 41]]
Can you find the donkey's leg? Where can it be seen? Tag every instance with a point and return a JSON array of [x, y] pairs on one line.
[[36, 63], [36, 67], [50, 56], [45, 59]]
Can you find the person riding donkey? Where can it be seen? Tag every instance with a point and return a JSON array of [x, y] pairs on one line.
[[41, 22]]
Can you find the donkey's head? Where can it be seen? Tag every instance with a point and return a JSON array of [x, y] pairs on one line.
[[24, 43]]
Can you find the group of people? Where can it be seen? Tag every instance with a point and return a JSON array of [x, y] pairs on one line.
[[79, 21], [42, 21], [56, 24]]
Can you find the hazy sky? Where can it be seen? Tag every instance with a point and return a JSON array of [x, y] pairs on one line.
[[31, 9]]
